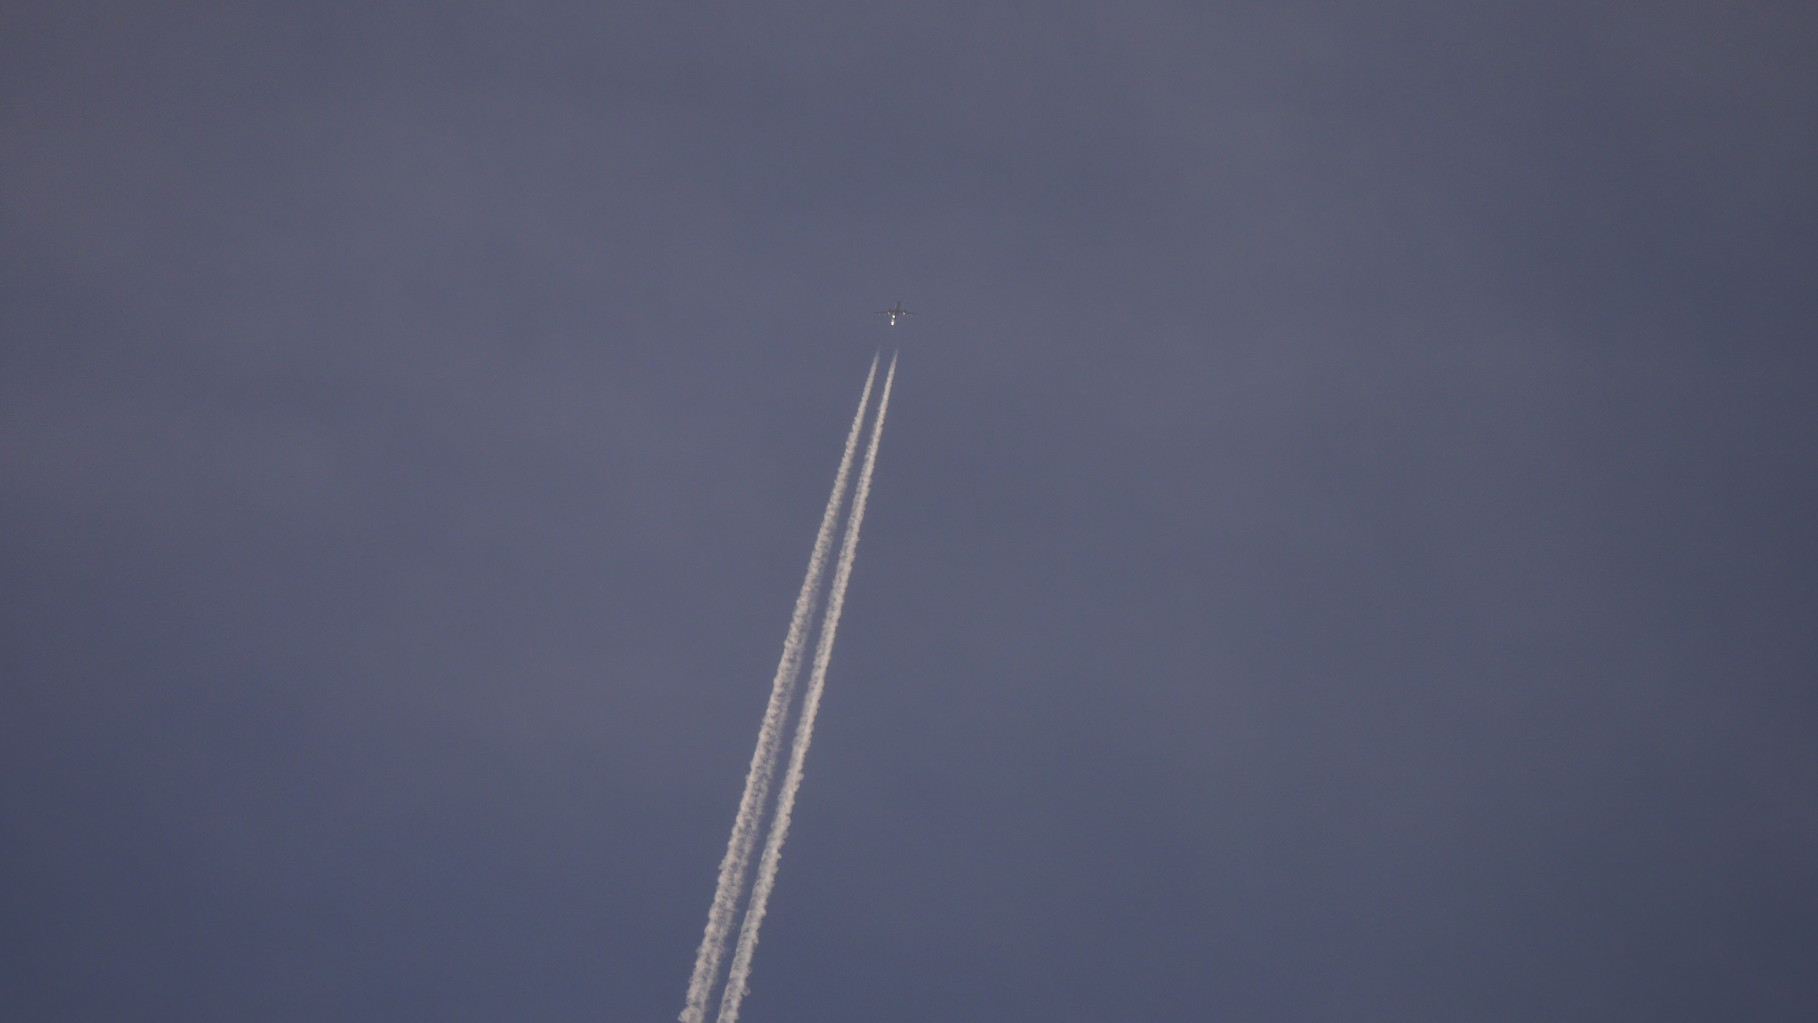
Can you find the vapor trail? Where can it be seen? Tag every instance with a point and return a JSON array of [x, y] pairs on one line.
[[736, 980], [745, 826]]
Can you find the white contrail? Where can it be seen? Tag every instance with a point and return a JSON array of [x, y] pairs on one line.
[[745, 826], [736, 979]]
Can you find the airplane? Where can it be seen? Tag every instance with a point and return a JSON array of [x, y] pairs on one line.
[[894, 313]]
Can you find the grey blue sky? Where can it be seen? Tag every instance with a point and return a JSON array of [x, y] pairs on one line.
[[1343, 547]]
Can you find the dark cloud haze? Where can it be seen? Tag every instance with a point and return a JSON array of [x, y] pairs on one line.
[[1343, 547]]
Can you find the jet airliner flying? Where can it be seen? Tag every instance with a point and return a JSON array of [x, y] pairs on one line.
[[894, 313]]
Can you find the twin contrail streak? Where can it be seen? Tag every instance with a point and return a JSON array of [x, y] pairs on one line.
[[746, 825], [736, 980]]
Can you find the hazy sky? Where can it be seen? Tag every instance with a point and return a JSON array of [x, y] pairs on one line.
[[1343, 548]]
